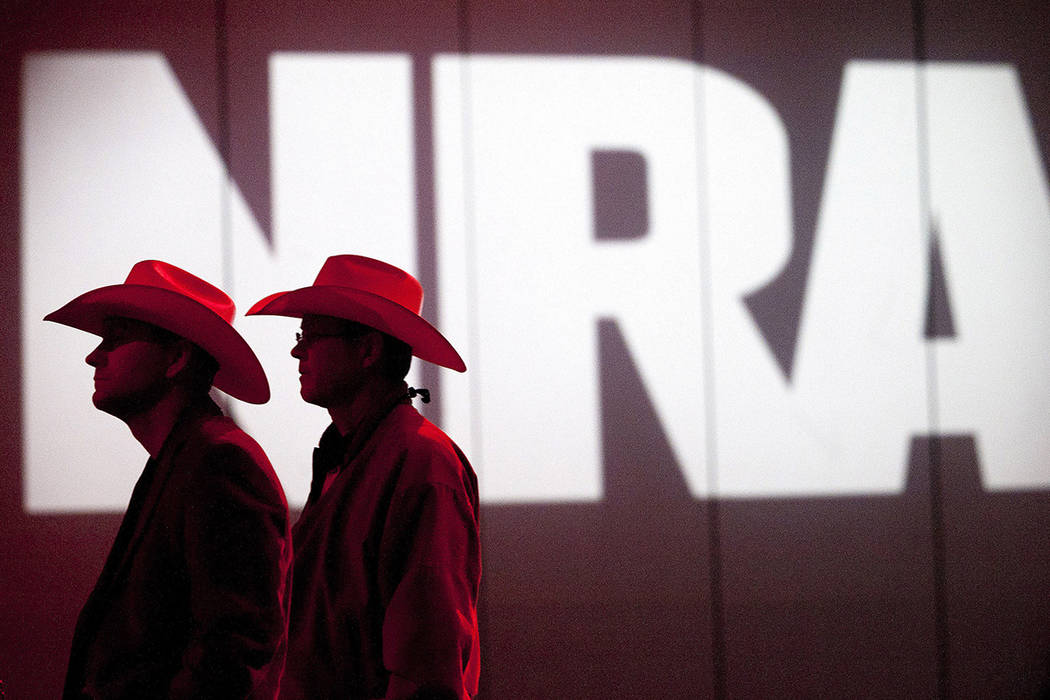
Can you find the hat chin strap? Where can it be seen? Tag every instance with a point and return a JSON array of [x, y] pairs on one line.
[[424, 394]]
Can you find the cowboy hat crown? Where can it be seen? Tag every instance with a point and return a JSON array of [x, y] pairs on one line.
[[370, 292], [171, 298]]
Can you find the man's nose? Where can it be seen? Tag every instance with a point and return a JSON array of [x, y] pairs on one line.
[[95, 357]]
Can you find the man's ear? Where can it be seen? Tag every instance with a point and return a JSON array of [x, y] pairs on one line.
[[371, 348], [180, 354]]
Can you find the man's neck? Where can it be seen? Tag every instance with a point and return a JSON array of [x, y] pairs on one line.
[[372, 397], [152, 427]]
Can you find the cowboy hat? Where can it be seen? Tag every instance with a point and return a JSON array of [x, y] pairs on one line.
[[169, 297], [370, 292]]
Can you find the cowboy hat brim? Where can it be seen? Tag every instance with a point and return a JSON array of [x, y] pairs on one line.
[[369, 309], [240, 374]]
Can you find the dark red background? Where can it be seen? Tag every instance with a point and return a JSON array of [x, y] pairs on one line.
[[939, 591]]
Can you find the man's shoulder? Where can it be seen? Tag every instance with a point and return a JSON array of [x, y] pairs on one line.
[[410, 429], [219, 432], [221, 429], [216, 446], [425, 449]]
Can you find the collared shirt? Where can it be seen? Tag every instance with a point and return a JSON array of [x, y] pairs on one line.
[[387, 564], [335, 451]]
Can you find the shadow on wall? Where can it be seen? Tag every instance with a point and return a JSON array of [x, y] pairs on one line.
[[813, 597]]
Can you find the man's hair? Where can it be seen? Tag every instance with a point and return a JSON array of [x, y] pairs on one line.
[[199, 373], [396, 358]]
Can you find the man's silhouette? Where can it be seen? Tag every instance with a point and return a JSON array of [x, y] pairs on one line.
[[192, 600], [387, 551]]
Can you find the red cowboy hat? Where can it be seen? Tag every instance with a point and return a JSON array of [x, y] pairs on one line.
[[169, 297], [372, 293]]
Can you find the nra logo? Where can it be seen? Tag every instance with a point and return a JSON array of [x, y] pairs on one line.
[[580, 201]]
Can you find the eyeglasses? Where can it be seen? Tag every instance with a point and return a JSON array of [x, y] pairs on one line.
[[309, 338]]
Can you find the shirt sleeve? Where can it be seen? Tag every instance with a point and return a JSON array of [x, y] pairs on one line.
[[237, 552], [430, 575]]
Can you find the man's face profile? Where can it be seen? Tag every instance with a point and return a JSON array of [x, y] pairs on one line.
[[329, 369], [130, 364]]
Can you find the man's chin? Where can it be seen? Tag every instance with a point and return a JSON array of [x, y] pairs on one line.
[[310, 397], [117, 406], [107, 404]]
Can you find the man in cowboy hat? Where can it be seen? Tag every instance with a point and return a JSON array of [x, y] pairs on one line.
[[387, 552], [191, 602]]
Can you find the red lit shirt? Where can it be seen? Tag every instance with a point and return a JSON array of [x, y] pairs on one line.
[[387, 565]]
